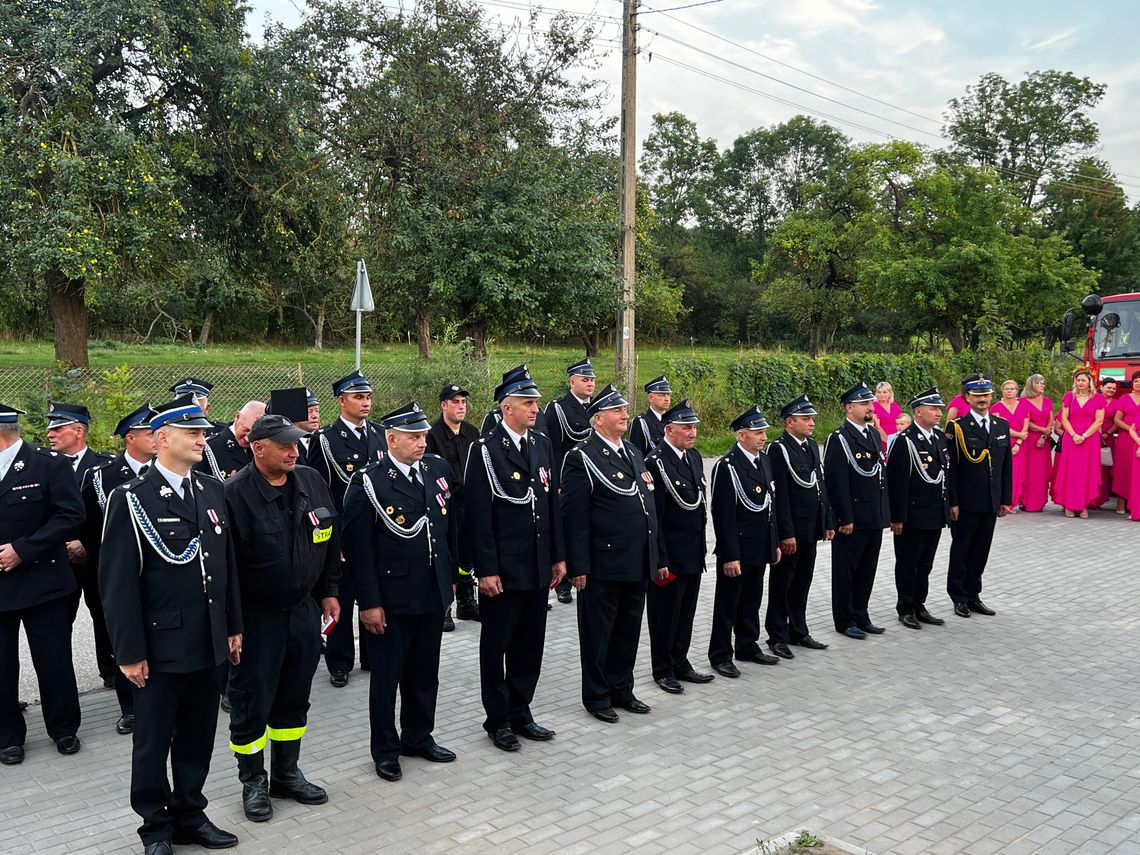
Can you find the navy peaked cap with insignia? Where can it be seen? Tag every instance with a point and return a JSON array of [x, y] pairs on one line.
[[581, 368], [517, 382], [9, 415], [859, 394], [452, 390], [801, 406], [658, 385], [182, 412], [354, 382], [192, 386], [607, 399], [138, 420], [409, 418], [981, 385], [930, 398], [750, 419], [59, 414], [682, 414], [311, 399]]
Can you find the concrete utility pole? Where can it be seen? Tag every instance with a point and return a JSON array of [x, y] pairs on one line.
[[625, 357]]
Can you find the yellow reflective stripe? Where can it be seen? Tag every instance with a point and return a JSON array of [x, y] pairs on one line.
[[463, 572], [285, 734], [252, 748]]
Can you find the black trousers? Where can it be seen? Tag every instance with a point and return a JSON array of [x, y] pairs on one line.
[[914, 559], [776, 622], [269, 689], [971, 536], [340, 646], [609, 629], [48, 628], [404, 658], [176, 716], [801, 571], [736, 611], [87, 577], [511, 640], [854, 559], [670, 611]]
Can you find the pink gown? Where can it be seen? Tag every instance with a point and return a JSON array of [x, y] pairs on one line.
[[1016, 421], [1107, 439], [960, 405], [888, 419], [1038, 461], [1125, 450], [1077, 480]]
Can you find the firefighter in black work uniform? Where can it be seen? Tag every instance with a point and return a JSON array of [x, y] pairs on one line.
[[288, 550]]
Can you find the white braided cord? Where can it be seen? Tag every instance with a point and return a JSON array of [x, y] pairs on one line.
[[681, 503], [213, 461], [143, 524], [916, 463], [813, 484], [866, 473], [592, 469], [497, 488], [97, 483], [334, 467], [749, 505], [577, 436]]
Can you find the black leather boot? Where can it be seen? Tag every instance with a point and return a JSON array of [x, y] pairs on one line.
[[287, 781], [254, 787], [466, 607]]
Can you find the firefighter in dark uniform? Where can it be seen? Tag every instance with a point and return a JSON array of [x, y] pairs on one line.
[[493, 417], [338, 451], [569, 425], [803, 518], [42, 511], [199, 390], [401, 549], [451, 437], [168, 578], [917, 467], [612, 551], [671, 603], [981, 490], [98, 483], [649, 428], [857, 489], [227, 451], [517, 551], [744, 520], [288, 557]]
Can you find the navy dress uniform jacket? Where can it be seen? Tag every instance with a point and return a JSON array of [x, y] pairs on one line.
[[176, 616], [89, 460], [96, 488], [743, 534], [856, 497], [568, 425], [647, 432], [337, 454], [404, 575], [915, 501], [801, 512], [682, 529], [224, 456], [516, 542], [985, 486]]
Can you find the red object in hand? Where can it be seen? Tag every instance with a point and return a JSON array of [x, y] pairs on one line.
[[327, 624], [669, 577]]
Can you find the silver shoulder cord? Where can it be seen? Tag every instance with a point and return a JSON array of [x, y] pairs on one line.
[[749, 505], [807, 485], [577, 436], [681, 503], [143, 524], [594, 471], [497, 488], [334, 467], [917, 464], [213, 461], [392, 526], [97, 483], [866, 473]]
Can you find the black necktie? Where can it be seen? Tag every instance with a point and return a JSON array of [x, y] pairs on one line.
[[415, 473], [622, 455], [985, 424], [143, 469], [188, 495], [524, 450]]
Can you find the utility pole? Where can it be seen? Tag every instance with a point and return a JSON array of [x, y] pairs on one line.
[[625, 365]]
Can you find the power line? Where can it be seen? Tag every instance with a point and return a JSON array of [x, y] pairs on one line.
[[675, 8]]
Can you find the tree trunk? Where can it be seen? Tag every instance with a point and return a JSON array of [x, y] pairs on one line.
[[68, 317], [957, 341], [423, 331], [814, 337], [207, 324], [478, 335], [319, 338], [593, 342]]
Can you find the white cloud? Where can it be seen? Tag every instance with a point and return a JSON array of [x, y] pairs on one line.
[[1053, 39]]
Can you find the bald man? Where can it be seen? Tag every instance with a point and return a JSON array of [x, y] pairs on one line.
[[228, 450]]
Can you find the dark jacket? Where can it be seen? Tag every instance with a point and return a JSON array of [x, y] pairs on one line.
[[41, 511], [89, 461], [224, 455], [682, 528], [453, 448], [608, 534], [405, 575], [801, 512], [176, 616], [743, 532], [566, 418], [518, 542], [98, 484], [337, 454], [985, 486], [278, 568], [647, 431], [915, 501], [856, 496]]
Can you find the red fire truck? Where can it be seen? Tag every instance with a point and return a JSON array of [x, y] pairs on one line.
[[1112, 336]]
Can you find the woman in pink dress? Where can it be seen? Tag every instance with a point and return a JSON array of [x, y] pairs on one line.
[[1126, 416], [1078, 475], [1108, 431], [1015, 410], [959, 406], [1036, 448], [886, 412]]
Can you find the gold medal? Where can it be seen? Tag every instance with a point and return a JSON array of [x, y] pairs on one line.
[[389, 510], [348, 467], [443, 511], [619, 476], [400, 519], [516, 476], [758, 489]]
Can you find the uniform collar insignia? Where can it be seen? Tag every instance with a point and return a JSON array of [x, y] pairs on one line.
[[165, 491], [506, 442], [198, 484], [18, 465], [344, 434], [392, 474]]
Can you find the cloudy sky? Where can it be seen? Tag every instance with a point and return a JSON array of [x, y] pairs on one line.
[[888, 67]]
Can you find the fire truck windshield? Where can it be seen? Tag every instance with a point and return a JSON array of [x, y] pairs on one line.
[[1118, 330]]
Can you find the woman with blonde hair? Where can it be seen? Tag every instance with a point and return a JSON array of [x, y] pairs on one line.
[[1078, 474], [1015, 410], [886, 412], [1038, 454]]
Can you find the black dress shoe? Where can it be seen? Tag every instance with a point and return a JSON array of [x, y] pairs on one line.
[[125, 724], [961, 609], [633, 705], [159, 847], [782, 650], [872, 629], [67, 745], [670, 685], [608, 715], [225, 703], [726, 669], [108, 683], [980, 607], [692, 676], [448, 623], [389, 770], [339, 679], [549, 607], [530, 730], [759, 657], [23, 705], [810, 643], [926, 617], [206, 835], [434, 753], [854, 632], [564, 597], [13, 755], [505, 740], [909, 620]]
